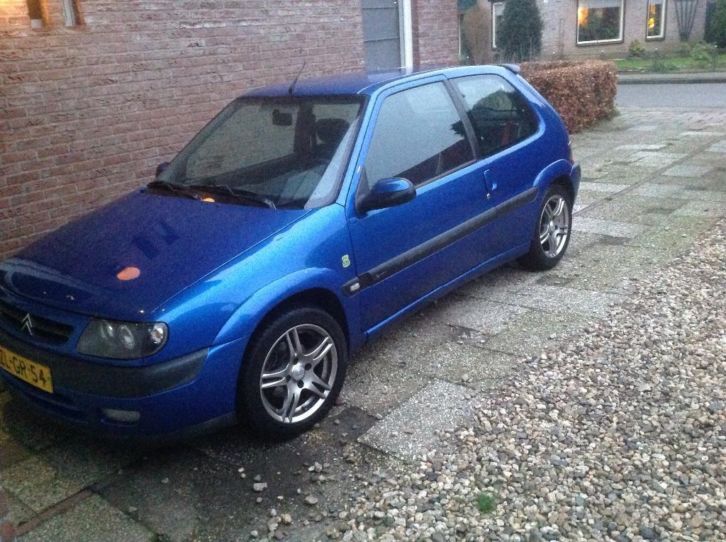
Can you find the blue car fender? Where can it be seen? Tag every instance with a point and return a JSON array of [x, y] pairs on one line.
[[245, 320], [557, 170]]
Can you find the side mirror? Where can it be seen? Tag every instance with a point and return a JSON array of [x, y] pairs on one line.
[[161, 167], [388, 193]]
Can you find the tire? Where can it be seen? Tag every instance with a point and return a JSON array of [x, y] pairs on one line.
[[551, 235], [293, 373]]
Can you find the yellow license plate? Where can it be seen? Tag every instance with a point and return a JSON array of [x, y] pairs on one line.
[[33, 373]]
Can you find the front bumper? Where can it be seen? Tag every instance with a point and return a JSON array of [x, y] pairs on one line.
[[170, 397]]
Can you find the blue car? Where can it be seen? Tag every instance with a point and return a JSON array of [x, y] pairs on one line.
[[297, 225]]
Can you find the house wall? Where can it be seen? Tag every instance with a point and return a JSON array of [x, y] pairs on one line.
[[560, 30], [560, 34], [86, 113]]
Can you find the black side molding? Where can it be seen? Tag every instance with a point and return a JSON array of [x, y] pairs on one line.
[[413, 255]]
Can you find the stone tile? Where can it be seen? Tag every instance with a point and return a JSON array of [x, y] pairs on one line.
[[633, 209], [483, 316], [11, 451], [701, 133], [608, 188], [676, 237], [508, 278], [441, 406], [719, 147], [530, 333], [687, 170], [19, 513], [702, 208], [551, 298], [657, 159], [57, 473], [473, 366], [27, 429], [639, 147], [644, 128], [606, 227], [678, 192], [92, 519]]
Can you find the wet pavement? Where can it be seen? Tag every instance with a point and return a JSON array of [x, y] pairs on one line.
[[653, 179]]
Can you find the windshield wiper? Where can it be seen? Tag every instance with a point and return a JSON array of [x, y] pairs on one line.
[[172, 187], [238, 193]]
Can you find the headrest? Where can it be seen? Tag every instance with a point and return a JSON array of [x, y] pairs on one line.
[[331, 131]]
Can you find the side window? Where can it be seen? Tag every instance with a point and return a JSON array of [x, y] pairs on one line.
[[499, 114], [418, 135]]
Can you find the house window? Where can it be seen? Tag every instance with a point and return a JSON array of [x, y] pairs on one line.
[[497, 14], [599, 21], [655, 25]]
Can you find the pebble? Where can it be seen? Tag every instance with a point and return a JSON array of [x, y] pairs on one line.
[[613, 433]]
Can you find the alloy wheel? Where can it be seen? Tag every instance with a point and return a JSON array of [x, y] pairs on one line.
[[298, 373], [554, 226]]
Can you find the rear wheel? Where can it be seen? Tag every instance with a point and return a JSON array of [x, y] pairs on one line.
[[552, 234], [294, 372]]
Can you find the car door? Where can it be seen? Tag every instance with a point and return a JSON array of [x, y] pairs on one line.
[[511, 153], [402, 253]]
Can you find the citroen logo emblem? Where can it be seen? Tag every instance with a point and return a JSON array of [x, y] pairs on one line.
[[27, 325]]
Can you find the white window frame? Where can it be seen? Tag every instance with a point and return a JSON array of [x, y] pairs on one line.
[[620, 37], [495, 6], [662, 21]]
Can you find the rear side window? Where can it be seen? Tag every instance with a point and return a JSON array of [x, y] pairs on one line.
[[500, 115], [418, 136]]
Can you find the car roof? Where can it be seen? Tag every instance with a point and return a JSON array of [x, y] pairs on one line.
[[364, 83]]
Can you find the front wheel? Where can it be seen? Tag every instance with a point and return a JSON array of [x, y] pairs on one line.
[[294, 372], [552, 234]]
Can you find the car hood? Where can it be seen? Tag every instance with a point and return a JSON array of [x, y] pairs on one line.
[[173, 242]]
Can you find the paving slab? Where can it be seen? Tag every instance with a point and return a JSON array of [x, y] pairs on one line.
[[606, 227], [719, 147], [26, 429], [92, 520], [702, 208], [551, 298], [656, 159], [471, 365], [529, 334], [678, 192], [487, 317], [439, 407], [19, 512], [507, 278], [608, 188], [633, 209], [60, 471], [687, 170], [674, 239]]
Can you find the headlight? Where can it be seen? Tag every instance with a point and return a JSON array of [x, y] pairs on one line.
[[122, 340]]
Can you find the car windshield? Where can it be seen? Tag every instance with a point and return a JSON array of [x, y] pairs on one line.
[[282, 152]]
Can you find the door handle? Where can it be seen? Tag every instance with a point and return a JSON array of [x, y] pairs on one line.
[[490, 183]]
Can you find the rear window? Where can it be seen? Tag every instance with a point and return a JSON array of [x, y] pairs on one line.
[[499, 114]]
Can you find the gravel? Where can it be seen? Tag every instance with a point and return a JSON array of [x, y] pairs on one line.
[[617, 434]]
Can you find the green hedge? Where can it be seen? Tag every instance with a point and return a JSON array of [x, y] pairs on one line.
[[582, 92]]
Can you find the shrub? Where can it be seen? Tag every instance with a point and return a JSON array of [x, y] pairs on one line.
[[716, 31], [636, 49], [581, 92], [520, 35], [704, 54]]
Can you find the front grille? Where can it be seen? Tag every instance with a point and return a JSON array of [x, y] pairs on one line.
[[37, 327]]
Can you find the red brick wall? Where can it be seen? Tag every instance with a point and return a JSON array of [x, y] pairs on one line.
[[87, 113], [436, 32]]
